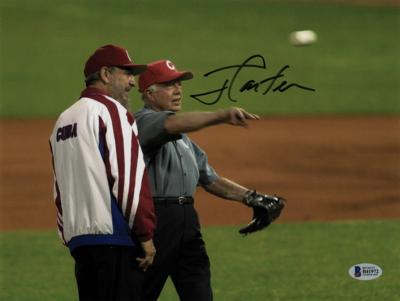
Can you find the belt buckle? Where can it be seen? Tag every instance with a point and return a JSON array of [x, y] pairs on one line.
[[181, 200]]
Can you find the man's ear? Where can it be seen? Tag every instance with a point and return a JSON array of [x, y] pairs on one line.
[[148, 94], [104, 75]]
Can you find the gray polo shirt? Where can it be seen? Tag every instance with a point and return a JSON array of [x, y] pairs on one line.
[[176, 164]]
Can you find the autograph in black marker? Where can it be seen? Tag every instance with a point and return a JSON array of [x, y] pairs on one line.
[[250, 84]]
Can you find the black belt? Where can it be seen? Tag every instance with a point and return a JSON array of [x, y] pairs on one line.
[[178, 200]]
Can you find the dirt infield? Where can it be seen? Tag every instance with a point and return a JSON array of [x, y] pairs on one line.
[[328, 168]]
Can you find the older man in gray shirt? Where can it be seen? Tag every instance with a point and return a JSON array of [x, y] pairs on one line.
[[176, 167]]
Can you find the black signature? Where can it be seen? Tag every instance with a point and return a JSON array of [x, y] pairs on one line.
[[250, 84]]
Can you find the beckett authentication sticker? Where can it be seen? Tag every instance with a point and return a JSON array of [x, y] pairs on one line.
[[365, 271]]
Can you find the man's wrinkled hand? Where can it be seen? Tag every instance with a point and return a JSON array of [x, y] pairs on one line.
[[239, 116], [149, 252]]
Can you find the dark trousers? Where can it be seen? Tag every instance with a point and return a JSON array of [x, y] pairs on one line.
[[108, 273], [181, 254]]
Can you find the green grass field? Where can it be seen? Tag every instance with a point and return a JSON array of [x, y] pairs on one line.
[[354, 67], [299, 262]]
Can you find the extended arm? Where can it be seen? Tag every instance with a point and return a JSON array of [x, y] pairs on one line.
[[266, 208], [193, 121], [227, 189]]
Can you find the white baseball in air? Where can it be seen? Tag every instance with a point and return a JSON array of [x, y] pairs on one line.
[[303, 37]]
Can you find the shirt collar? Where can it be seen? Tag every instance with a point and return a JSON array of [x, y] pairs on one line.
[[93, 91]]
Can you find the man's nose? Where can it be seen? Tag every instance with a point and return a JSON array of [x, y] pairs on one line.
[[178, 86], [132, 81]]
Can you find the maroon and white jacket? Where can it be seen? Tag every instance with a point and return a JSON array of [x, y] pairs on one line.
[[101, 186]]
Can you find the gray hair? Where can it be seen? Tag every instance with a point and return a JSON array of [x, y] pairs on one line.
[[152, 88], [94, 77]]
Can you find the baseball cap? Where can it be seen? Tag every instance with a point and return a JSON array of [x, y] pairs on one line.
[[109, 56], [161, 72]]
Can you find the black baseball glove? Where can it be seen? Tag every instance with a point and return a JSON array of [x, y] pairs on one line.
[[266, 209]]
